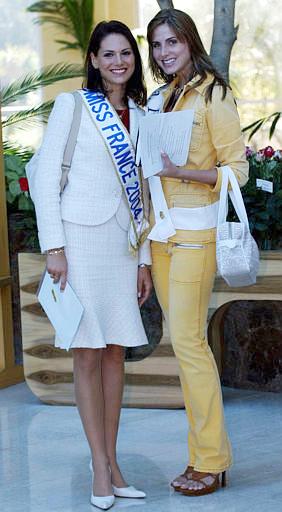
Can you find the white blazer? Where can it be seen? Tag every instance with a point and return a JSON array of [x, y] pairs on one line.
[[93, 193]]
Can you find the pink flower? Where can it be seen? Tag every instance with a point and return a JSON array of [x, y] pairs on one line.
[[249, 152], [260, 156], [23, 184], [268, 151]]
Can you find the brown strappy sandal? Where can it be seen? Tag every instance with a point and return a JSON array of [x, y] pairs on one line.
[[198, 476], [186, 474]]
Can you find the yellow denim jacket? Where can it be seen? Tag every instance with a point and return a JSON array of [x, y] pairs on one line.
[[216, 141]]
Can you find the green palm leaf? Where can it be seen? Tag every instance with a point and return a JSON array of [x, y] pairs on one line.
[[75, 17], [30, 116], [256, 125], [277, 116], [33, 81], [13, 149], [66, 45], [47, 6]]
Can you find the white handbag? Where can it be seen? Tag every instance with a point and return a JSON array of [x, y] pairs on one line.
[[32, 165], [237, 253]]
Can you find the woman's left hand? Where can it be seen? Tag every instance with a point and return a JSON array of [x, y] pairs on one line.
[[144, 285], [169, 169]]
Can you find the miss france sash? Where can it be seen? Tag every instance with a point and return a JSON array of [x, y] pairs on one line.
[[122, 153]]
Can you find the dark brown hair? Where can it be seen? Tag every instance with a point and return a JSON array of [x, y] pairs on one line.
[[135, 87], [186, 30]]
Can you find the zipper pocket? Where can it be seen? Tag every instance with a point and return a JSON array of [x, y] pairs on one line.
[[189, 246]]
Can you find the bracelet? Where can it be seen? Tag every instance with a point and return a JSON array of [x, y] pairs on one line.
[[52, 252], [143, 265]]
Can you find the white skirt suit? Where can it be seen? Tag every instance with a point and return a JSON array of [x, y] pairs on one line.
[[91, 221]]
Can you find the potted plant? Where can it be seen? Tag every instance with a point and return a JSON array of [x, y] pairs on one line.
[[263, 196], [20, 208]]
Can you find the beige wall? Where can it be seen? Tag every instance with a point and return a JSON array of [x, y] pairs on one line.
[[123, 10], [51, 54]]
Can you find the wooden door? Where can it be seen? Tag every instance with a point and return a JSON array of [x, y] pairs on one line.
[[10, 373]]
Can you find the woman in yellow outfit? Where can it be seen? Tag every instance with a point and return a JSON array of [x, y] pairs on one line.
[[183, 234]]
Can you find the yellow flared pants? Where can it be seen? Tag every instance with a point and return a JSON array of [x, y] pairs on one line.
[[183, 277]]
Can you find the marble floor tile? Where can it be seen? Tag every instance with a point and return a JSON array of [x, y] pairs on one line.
[[44, 456]]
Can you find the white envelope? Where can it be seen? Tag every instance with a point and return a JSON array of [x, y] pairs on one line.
[[63, 309]]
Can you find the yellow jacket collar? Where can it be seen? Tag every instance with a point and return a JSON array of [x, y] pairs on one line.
[[200, 88]]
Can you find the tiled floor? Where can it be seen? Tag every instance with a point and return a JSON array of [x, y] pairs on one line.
[[44, 456]]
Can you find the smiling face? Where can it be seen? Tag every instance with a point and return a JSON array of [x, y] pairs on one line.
[[170, 53], [115, 60]]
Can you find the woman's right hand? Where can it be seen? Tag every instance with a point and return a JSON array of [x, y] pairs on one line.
[[57, 266]]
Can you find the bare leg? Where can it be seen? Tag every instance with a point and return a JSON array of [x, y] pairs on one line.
[[90, 403], [113, 381]]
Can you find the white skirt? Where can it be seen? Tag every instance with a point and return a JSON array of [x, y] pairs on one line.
[[103, 274]]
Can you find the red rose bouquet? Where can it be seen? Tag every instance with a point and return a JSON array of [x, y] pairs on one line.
[[263, 196]]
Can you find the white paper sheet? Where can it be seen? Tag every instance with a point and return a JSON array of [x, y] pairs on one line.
[[169, 132], [63, 309]]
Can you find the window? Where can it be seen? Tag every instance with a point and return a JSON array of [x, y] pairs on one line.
[[19, 55]]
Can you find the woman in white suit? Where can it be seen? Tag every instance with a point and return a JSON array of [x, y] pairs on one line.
[[95, 237]]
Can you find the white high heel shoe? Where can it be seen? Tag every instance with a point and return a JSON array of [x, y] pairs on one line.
[[102, 502], [124, 492], [128, 492]]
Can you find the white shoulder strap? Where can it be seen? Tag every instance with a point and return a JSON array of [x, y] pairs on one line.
[[72, 138], [235, 196]]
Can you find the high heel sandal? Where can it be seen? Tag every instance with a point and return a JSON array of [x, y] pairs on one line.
[[197, 476], [186, 474]]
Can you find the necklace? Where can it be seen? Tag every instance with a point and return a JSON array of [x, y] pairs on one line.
[[177, 91], [121, 113], [188, 79], [124, 116], [173, 98]]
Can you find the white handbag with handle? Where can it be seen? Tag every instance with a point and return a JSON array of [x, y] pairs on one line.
[[237, 253]]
